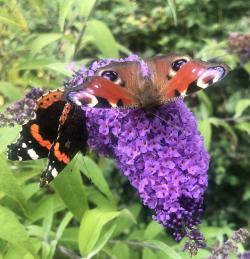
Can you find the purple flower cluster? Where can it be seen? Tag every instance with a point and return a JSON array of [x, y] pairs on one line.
[[22, 110], [162, 156], [240, 44], [230, 246]]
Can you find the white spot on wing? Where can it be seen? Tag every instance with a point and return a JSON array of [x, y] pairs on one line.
[[19, 158], [54, 172], [32, 153], [24, 145]]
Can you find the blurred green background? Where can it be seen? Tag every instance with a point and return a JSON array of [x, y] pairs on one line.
[[95, 212]]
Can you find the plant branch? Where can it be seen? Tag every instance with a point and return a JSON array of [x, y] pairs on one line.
[[134, 243], [232, 119], [79, 39]]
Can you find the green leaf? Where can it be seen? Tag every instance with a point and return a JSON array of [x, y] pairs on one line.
[[169, 251], [205, 128], [102, 241], [123, 49], [91, 170], [148, 254], [65, 7], [15, 252], [61, 68], [243, 126], [31, 64], [7, 135], [103, 38], [9, 186], [206, 101], [124, 222], [19, 17], [38, 210], [63, 224], [204, 125], [43, 40], [10, 91], [97, 198], [218, 122], [38, 5], [86, 7], [70, 188], [172, 8], [247, 67], [153, 229], [91, 226], [11, 22], [13, 231], [48, 219], [241, 106], [121, 250]]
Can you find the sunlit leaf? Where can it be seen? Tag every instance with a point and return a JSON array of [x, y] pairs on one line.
[[38, 210], [7, 136], [91, 170], [121, 250], [31, 64], [38, 5], [17, 12], [103, 38], [68, 185], [86, 7], [13, 231], [148, 254], [205, 128], [153, 229], [241, 106], [64, 10], [90, 229], [60, 68], [9, 186], [59, 232], [169, 251], [102, 241], [42, 40], [247, 67], [218, 122], [10, 91], [172, 8], [243, 126], [9, 21]]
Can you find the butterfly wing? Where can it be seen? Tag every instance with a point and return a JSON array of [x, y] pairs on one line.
[[112, 86], [71, 138], [181, 76], [38, 134]]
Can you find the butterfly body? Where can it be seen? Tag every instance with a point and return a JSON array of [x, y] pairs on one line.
[[58, 130]]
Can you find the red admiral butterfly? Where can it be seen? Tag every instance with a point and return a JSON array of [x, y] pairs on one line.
[[58, 130]]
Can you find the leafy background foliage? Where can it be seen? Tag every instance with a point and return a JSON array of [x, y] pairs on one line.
[[90, 210]]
